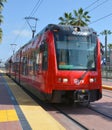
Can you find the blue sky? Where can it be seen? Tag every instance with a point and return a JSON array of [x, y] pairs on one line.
[[17, 31]]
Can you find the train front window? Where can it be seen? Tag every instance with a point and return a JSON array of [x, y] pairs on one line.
[[76, 52]]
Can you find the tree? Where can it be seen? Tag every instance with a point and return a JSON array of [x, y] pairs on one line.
[[1, 17], [106, 33], [66, 20], [110, 46], [0, 34], [80, 18], [1, 4]]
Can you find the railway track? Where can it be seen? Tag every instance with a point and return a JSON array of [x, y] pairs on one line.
[[81, 126], [102, 116], [89, 118], [106, 113], [101, 113]]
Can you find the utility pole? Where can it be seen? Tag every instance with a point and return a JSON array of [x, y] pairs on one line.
[[32, 25], [106, 47], [13, 46], [106, 33]]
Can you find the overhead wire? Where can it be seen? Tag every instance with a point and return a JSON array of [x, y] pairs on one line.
[[101, 18], [18, 35], [91, 4], [36, 7], [97, 7], [34, 10]]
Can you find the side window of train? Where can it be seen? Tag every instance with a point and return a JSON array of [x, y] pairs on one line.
[[35, 61], [45, 56], [24, 66]]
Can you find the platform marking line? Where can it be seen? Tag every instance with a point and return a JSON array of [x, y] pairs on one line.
[[107, 87], [8, 115]]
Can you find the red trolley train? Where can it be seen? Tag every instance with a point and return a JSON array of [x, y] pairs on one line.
[[61, 63]]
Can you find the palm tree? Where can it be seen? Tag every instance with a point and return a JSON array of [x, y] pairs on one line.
[[81, 18], [110, 46], [106, 33], [0, 35], [66, 20], [1, 4], [1, 17]]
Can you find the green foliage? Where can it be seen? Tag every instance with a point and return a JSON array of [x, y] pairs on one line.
[[78, 18], [1, 4], [106, 32], [1, 17], [110, 45], [66, 20], [0, 35]]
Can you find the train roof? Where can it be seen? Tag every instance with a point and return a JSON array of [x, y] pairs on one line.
[[60, 27], [69, 28], [65, 28]]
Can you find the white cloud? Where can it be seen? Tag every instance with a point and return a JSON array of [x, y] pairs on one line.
[[22, 33]]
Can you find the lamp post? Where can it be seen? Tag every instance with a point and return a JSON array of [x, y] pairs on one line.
[[106, 47], [32, 25]]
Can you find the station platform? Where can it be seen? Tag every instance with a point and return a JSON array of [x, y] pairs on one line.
[[18, 111]]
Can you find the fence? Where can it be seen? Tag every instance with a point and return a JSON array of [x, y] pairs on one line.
[[107, 72]]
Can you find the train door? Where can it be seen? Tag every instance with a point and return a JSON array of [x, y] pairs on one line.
[[44, 65]]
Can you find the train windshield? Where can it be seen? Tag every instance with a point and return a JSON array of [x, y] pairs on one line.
[[76, 52]]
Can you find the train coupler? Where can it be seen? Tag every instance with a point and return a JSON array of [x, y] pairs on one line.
[[81, 96]]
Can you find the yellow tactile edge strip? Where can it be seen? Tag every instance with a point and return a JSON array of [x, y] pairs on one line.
[[8, 115], [107, 87]]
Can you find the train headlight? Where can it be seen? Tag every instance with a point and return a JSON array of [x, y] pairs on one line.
[[65, 80], [62, 80], [91, 80]]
